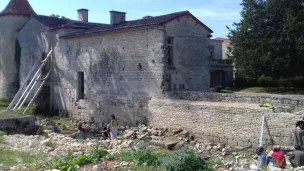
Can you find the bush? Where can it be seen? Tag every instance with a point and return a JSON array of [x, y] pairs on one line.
[[298, 82], [226, 91], [71, 163], [218, 89], [284, 82], [186, 160], [228, 88], [142, 156], [265, 81], [243, 82], [212, 89]]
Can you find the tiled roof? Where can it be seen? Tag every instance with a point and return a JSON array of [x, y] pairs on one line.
[[18, 7], [149, 21], [223, 39], [51, 21]]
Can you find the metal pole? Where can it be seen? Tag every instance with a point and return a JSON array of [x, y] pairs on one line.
[[36, 93], [262, 131]]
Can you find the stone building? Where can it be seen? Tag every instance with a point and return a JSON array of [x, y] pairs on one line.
[[99, 69], [222, 69]]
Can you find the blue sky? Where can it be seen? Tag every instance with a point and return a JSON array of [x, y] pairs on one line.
[[216, 14]]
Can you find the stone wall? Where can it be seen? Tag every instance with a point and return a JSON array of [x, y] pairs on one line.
[[17, 125], [237, 124], [281, 103], [229, 118], [120, 70], [9, 82], [190, 55]]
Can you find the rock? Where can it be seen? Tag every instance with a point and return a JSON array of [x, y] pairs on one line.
[[128, 134], [154, 132], [170, 144], [47, 142], [184, 134], [127, 144], [177, 131], [143, 137], [55, 170], [124, 163], [98, 167]]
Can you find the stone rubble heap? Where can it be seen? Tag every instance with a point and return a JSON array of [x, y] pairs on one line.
[[59, 145]]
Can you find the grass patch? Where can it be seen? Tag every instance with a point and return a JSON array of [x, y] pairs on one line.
[[145, 158], [12, 158], [273, 90]]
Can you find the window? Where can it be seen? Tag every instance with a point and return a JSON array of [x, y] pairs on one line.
[[170, 51], [80, 86], [182, 86], [211, 50], [174, 86]]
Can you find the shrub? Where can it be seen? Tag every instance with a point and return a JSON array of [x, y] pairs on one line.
[[143, 156], [218, 89], [243, 82], [227, 91], [32, 110], [298, 82], [284, 82], [71, 163], [186, 160], [265, 81], [212, 89], [228, 88]]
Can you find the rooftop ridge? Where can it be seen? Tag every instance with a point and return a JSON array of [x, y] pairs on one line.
[[18, 7]]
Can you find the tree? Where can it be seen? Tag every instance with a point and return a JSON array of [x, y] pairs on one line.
[[269, 39], [58, 16]]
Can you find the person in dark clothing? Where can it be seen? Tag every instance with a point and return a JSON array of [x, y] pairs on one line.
[[299, 134], [106, 132], [79, 134], [56, 128], [297, 158]]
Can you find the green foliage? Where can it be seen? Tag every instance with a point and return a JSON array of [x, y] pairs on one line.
[[71, 163], [186, 160], [298, 82], [228, 88], [265, 81], [178, 161], [284, 82], [269, 39], [2, 138], [218, 89], [4, 102], [212, 89], [142, 156], [11, 158], [32, 110], [58, 16]]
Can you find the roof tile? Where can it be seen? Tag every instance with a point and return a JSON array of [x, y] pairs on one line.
[[18, 7]]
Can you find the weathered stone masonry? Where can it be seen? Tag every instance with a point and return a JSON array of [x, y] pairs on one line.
[[232, 119]]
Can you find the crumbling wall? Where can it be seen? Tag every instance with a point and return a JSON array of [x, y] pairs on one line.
[[9, 80], [237, 124]]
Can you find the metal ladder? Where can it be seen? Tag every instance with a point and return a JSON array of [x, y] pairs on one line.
[[25, 91]]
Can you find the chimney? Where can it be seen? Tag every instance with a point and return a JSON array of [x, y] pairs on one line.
[[117, 17], [83, 15]]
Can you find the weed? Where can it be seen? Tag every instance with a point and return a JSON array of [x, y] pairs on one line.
[[11, 158]]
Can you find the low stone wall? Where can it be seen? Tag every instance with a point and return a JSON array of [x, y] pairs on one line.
[[17, 125], [237, 124], [282, 103]]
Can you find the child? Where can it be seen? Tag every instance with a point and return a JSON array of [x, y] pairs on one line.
[[278, 158], [262, 157], [105, 132], [56, 128]]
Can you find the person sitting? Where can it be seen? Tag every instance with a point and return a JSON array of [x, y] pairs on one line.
[[277, 158], [79, 134], [262, 157], [56, 128], [297, 158], [105, 132]]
